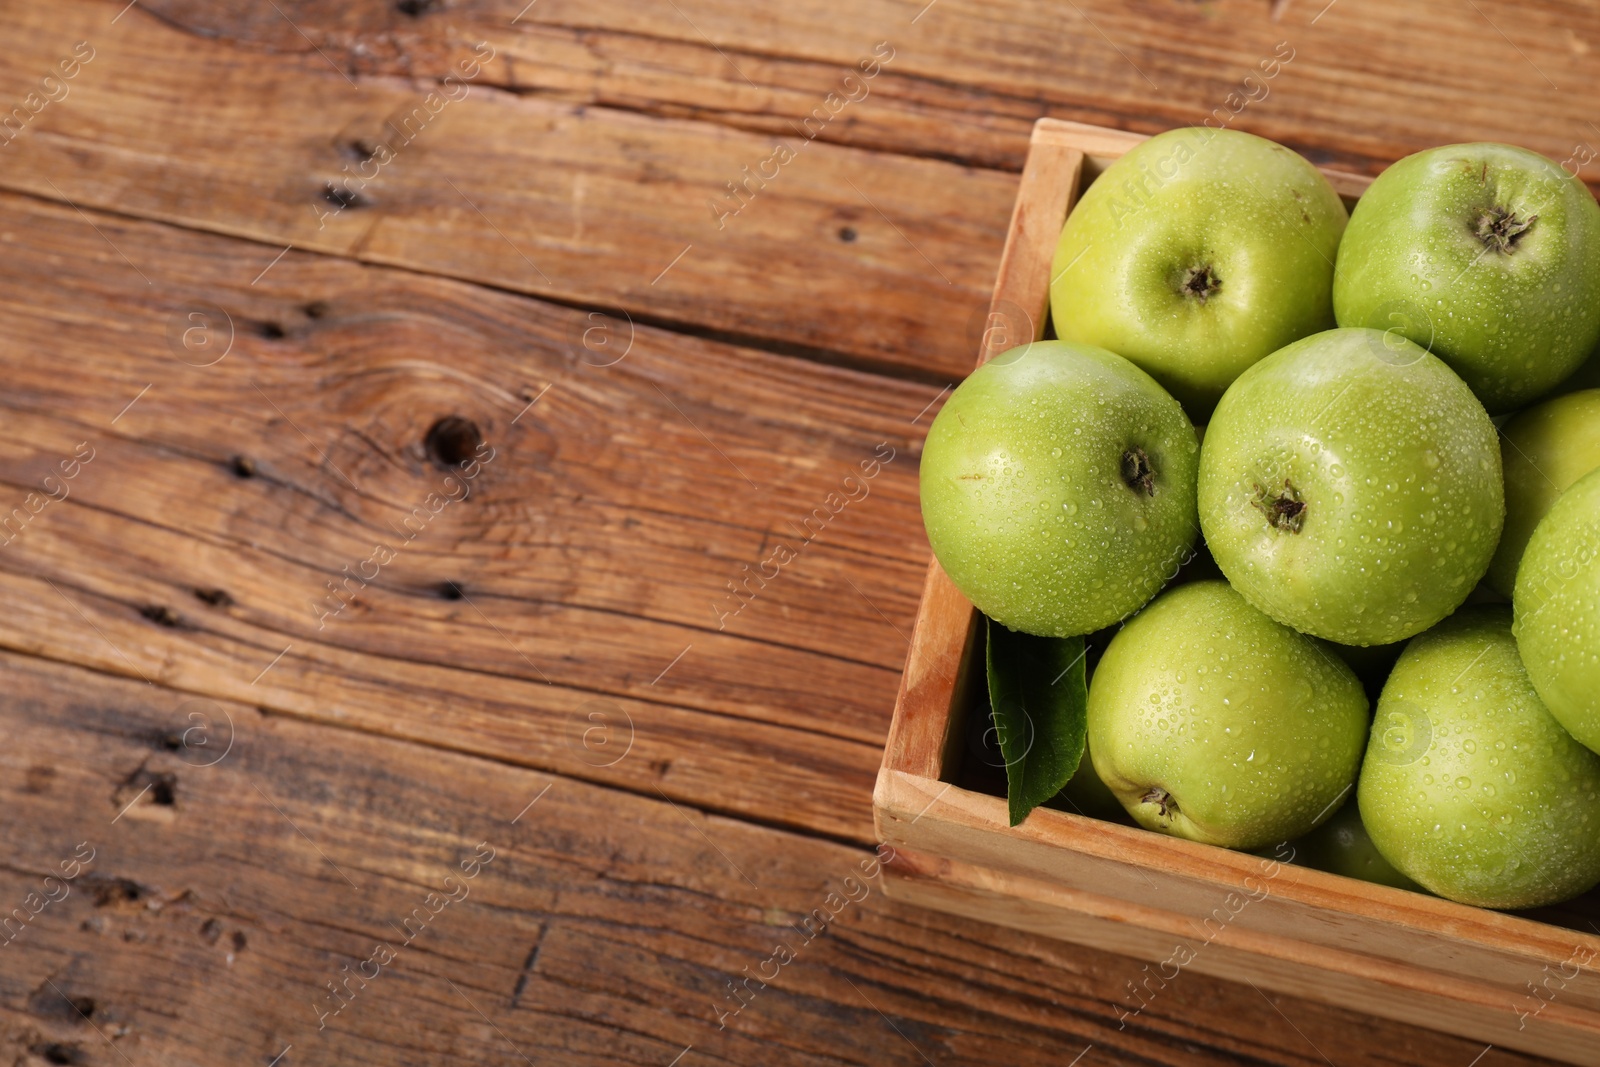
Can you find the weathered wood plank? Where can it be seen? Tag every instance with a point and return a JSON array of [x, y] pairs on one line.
[[562, 182], [606, 927], [970, 76], [861, 257], [589, 559], [580, 58]]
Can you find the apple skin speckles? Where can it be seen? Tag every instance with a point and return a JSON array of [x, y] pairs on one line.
[[1058, 488], [1197, 253], [1469, 785], [1209, 721], [1557, 602], [1487, 255], [1350, 487]]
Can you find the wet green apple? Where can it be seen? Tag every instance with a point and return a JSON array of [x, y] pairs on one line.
[[1470, 785], [1197, 253], [1210, 721], [1543, 451], [1342, 846], [1058, 488], [1487, 255], [1350, 487], [1557, 603]]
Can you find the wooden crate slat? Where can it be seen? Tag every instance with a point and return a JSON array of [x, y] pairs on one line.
[[1317, 909], [935, 667], [1394, 991]]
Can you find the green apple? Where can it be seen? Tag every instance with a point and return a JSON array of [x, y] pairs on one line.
[[1196, 254], [1212, 722], [1470, 786], [1350, 487], [1543, 450], [1485, 254], [1342, 846], [1557, 603], [1058, 488]]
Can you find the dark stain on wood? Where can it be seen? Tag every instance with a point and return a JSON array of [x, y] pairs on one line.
[[162, 615]]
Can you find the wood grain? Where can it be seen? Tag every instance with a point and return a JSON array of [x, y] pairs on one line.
[[1368, 81], [590, 561], [555, 210], [856, 257], [605, 929]]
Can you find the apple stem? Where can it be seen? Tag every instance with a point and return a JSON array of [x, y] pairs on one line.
[[1200, 282], [1162, 799], [1137, 473], [1500, 229], [1284, 510]]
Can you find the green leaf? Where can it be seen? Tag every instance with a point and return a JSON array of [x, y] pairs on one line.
[[1040, 700]]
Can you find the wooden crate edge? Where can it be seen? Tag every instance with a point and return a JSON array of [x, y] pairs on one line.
[[1379, 987]]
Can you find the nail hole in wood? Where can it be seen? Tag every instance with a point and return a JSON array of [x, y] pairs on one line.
[[109, 891], [161, 615], [163, 789], [342, 197], [49, 1002]]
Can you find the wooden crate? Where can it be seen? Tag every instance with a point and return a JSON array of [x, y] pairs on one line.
[[1510, 980]]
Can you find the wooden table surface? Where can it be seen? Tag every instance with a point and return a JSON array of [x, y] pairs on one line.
[[321, 749]]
